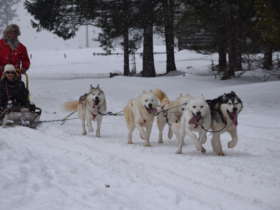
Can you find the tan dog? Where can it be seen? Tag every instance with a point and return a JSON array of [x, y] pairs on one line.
[[139, 113], [91, 107], [171, 112]]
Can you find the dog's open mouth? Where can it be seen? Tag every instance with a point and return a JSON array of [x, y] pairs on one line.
[[195, 120], [151, 110], [95, 102], [233, 117]]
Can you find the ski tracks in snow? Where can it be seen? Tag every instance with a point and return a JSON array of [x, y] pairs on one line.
[[57, 168]]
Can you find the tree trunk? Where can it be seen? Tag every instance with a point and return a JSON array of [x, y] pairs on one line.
[[222, 49], [126, 71], [148, 48], [238, 45], [148, 54], [168, 6], [232, 51], [267, 61], [222, 59], [232, 58]]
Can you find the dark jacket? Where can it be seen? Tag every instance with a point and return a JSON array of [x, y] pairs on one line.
[[14, 91]]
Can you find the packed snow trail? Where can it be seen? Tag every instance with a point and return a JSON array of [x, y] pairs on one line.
[[54, 167]]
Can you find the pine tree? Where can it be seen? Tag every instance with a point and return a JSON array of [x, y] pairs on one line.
[[268, 18], [219, 26]]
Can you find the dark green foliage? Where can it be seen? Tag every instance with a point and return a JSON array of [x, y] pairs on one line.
[[62, 17]]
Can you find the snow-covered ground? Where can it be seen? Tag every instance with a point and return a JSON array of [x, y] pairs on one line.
[[55, 167]]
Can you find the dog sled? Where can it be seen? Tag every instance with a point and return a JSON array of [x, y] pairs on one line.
[[13, 114], [22, 116]]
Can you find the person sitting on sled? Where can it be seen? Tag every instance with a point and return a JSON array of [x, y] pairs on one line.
[[13, 94], [12, 51]]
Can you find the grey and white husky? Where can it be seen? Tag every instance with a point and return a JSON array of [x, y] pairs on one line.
[[224, 115], [91, 107]]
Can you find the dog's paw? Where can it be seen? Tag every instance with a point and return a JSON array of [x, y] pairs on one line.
[[231, 144], [179, 152], [147, 145], [98, 134], [84, 133], [203, 150], [221, 154], [129, 142], [160, 141]]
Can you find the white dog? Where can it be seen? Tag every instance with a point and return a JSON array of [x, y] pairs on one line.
[[140, 113], [91, 107], [196, 118]]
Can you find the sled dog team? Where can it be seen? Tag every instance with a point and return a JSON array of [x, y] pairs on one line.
[[186, 117]]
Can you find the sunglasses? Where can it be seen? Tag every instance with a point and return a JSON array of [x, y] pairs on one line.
[[10, 72]]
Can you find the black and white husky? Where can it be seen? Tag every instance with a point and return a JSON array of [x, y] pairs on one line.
[[224, 115], [91, 107]]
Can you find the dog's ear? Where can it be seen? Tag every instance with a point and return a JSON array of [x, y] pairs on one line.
[[224, 98], [98, 86], [202, 97], [233, 93]]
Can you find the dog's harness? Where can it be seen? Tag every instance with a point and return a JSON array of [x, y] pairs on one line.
[[120, 113]]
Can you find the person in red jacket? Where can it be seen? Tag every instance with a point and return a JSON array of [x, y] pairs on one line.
[[12, 51]]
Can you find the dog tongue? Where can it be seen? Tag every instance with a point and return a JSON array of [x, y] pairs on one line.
[[194, 120], [234, 118], [152, 110]]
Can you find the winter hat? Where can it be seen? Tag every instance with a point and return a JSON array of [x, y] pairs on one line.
[[9, 67], [13, 28]]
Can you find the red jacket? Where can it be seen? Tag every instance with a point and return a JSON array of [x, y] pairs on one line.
[[18, 57]]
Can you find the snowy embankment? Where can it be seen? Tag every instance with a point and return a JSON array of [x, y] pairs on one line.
[[54, 167]]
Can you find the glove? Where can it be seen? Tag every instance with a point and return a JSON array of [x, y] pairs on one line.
[[32, 107], [18, 72], [9, 104]]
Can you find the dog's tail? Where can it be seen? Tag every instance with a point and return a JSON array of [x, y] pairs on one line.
[[71, 105], [162, 97], [128, 115]]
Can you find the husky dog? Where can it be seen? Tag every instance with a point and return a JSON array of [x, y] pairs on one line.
[[224, 112], [171, 112], [140, 113], [196, 118], [91, 107]]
